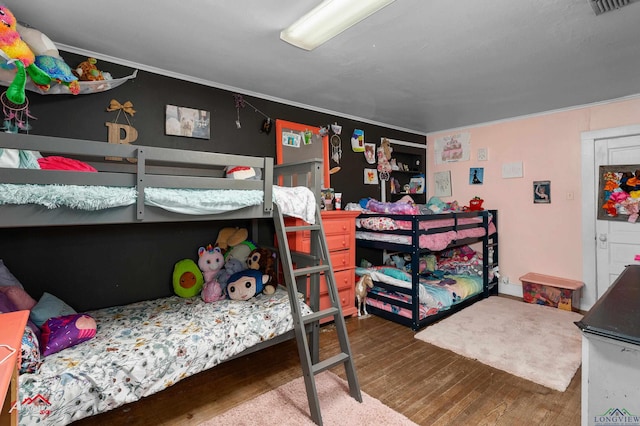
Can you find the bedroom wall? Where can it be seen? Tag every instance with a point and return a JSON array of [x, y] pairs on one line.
[[91, 267], [544, 238]]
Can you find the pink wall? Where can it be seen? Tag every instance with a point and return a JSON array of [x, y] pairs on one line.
[[544, 238]]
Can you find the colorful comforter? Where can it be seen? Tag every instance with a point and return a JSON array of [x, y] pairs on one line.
[[434, 295], [143, 348]]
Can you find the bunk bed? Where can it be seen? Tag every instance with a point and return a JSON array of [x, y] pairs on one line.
[[419, 294], [144, 347]]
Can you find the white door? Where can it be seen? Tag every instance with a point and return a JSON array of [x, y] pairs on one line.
[[618, 242]]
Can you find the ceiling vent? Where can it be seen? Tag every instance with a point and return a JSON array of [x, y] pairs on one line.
[[602, 6]]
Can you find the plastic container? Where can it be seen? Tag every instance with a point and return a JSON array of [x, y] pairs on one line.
[[551, 291]]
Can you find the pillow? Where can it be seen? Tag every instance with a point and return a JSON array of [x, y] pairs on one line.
[[20, 298], [7, 278], [9, 158], [6, 305], [47, 307], [30, 352], [63, 332]]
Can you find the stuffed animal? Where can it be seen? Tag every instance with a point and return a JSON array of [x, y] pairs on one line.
[[212, 291], [241, 252], [88, 71], [264, 260], [246, 284], [229, 237], [187, 278], [231, 266], [15, 51], [210, 261]]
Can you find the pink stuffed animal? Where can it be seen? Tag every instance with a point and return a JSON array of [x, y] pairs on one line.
[[212, 291], [210, 261]]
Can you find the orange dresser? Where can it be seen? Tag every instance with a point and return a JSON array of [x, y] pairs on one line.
[[11, 330], [339, 228]]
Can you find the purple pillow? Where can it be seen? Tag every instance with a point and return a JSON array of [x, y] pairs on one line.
[[63, 332], [6, 305]]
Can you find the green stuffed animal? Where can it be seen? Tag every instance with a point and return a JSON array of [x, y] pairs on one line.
[[187, 278]]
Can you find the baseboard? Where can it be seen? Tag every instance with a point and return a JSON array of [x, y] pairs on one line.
[[510, 289]]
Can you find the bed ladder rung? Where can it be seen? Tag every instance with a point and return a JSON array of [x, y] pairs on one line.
[[328, 363], [298, 228], [311, 270], [307, 327], [325, 313]]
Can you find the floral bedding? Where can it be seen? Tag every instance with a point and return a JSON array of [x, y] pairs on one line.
[[145, 347]]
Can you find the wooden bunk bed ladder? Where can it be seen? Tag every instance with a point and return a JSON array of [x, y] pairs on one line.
[[306, 271]]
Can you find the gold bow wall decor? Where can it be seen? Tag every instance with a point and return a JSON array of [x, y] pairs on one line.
[[121, 133], [117, 106]]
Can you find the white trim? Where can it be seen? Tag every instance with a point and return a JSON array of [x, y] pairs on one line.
[[589, 199], [210, 83]]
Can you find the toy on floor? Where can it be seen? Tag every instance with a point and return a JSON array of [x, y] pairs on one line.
[[187, 278], [361, 293], [264, 260], [246, 284]]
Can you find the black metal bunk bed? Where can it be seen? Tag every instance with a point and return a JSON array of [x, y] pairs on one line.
[[152, 167], [416, 237]]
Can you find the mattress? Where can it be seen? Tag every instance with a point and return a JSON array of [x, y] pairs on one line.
[[145, 347]]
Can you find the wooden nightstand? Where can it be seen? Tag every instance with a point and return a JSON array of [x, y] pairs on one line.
[[339, 228], [11, 330]]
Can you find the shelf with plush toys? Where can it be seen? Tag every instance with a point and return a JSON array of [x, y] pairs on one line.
[[32, 62]]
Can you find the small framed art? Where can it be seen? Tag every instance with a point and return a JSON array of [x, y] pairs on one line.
[[542, 192], [442, 182], [189, 122]]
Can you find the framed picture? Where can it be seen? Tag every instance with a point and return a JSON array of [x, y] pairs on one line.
[[188, 122], [542, 192], [416, 185], [616, 185], [442, 181], [476, 175]]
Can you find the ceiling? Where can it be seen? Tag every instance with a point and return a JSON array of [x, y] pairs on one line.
[[417, 65]]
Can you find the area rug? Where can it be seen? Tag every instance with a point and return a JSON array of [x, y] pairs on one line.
[[535, 342], [287, 405]]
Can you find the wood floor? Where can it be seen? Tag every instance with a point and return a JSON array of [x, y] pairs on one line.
[[429, 385]]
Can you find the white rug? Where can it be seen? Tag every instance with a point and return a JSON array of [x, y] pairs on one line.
[[535, 342]]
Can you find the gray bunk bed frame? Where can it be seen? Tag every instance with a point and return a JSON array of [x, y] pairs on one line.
[[153, 167]]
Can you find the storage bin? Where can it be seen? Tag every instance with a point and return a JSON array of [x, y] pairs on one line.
[[552, 291]]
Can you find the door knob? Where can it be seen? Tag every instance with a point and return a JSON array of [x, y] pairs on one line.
[[603, 237]]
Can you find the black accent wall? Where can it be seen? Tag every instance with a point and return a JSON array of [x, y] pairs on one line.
[[92, 267]]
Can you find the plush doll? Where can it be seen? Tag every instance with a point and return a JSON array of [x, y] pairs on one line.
[[231, 266], [18, 53], [48, 59], [210, 261], [229, 237], [264, 260], [245, 284], [187, 278], [212, 291], [241, 252], [88, 71]]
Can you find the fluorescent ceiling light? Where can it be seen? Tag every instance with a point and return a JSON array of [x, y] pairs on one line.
[[328, 19]]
